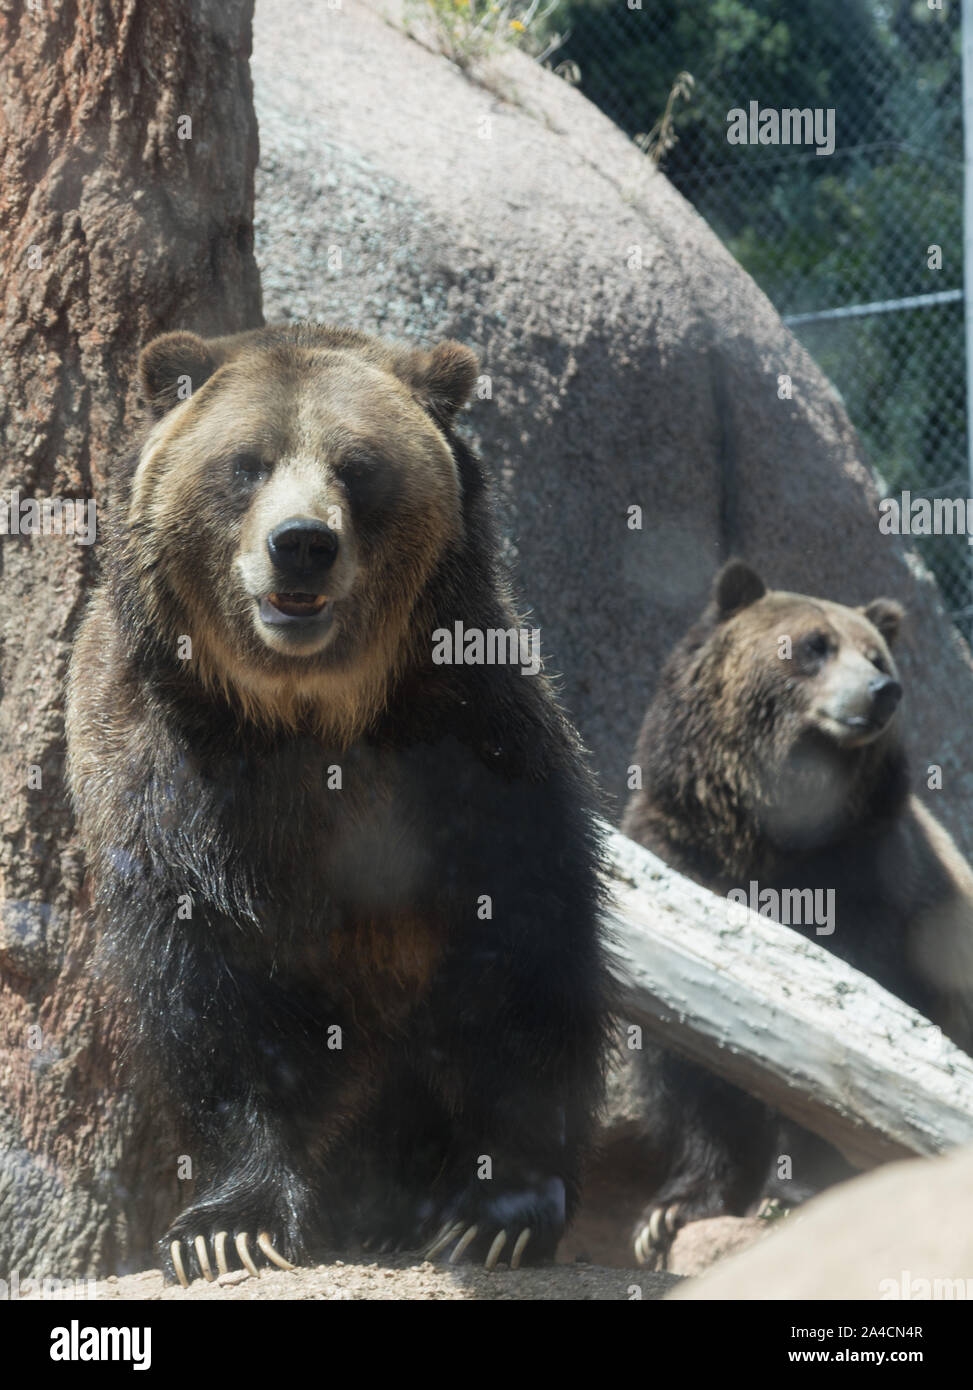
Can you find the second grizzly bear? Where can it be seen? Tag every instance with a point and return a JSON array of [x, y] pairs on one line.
[[771, 754], [350, 892]]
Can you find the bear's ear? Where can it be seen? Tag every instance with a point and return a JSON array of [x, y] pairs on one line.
[[175, 360], [442, 379], [736, 587], [886, 615]]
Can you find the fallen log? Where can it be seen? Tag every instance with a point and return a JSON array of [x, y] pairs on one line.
[[783, 1018]]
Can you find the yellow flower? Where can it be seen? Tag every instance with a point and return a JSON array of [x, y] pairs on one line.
[[516, 24]]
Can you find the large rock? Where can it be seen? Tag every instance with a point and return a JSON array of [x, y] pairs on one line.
[[633, 362], [903, 1232]]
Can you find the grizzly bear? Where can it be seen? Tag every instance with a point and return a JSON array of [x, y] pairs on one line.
[[772, 755], [349, 891]]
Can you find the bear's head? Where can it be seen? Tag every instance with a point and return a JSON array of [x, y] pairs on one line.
[[290, 505], [773, 729], [814, 666]]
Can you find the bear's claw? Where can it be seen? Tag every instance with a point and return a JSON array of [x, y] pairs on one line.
[[202, 1255], [175, 1250], [654, 1238], [461, 1245], [242, 1247], [451, 1231], [243, 1250], [493, 1254], [274, 1256], [448, 1233], [519, 1247]]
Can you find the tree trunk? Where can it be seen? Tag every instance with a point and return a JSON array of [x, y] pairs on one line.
[[129, 146]]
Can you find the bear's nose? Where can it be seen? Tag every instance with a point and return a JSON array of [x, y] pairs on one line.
[[301, 546], [886, 694]]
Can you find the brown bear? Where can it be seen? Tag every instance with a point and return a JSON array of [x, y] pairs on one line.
[[771, 754], [348, 885]]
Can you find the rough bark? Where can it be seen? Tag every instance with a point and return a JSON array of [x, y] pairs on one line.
[[118, 220]]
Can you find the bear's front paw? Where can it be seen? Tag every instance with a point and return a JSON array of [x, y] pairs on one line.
[[518, 1225], [186, 1257], [199, 1246]]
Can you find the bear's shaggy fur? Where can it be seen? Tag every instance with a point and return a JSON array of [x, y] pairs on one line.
[[351, 895], [780, 762]]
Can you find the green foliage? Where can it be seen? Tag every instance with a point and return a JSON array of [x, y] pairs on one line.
[[820, 232], [781, 54]]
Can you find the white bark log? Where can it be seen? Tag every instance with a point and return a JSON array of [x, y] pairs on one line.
[[783, 1018]]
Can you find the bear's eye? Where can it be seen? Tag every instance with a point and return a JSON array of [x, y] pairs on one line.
[[373, 484], [249, 467], [816, 645], [879, 662]]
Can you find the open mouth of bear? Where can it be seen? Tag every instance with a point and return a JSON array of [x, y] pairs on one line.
[[280, 608], [864, 721], [857, 726]]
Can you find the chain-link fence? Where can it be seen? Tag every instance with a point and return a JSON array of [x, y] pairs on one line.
[[837, 240]]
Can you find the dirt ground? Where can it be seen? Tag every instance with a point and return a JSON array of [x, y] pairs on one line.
[[398, 1279]]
